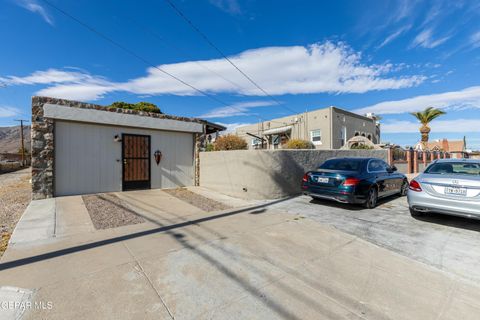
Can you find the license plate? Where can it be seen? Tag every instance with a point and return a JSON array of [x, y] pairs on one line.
[[456, 191], [322, 180]]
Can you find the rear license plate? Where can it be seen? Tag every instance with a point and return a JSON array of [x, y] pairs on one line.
[[456, 191], [322, 180]]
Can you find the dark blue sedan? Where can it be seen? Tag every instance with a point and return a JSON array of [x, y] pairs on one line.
[[354, 180]]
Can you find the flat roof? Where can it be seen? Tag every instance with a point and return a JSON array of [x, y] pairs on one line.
[[72, 110]]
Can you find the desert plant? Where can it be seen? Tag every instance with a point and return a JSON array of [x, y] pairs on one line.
[[140, 106], [298, 144], [230, 142], [425, 117]]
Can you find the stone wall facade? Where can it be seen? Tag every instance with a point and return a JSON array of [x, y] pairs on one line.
[[42, 151], [43, 141]]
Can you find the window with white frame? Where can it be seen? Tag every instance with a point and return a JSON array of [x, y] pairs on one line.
[[316, 136]]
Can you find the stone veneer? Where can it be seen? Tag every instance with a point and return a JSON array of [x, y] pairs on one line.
[[43, 146]]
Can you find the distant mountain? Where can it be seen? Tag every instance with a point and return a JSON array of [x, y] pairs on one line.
[[10, 138]]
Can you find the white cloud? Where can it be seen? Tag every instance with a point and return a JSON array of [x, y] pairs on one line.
[[466, 98], [48, 77], [81, 91], [75, 85], [328, 67], [447, 126], [236, 109], [475, 40], [229, 6], [425, 39], [231, 127], [394, 35], [33, 6], [8, 111]]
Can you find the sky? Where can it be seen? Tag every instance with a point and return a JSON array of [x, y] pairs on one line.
[[386, 57]]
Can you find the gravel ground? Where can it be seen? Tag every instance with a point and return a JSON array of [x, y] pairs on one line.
[[109, 211], [197, 200], [15, 195]]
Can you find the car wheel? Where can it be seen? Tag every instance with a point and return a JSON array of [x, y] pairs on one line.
[[372, 198], [415, 213], [404, 188]]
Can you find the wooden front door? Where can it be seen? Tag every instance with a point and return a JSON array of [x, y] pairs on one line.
[[136, 161]]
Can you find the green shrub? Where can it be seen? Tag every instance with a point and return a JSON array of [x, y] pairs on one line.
[[139, 106], [230, 142], [361, 146], [298, 144], [210, 147]]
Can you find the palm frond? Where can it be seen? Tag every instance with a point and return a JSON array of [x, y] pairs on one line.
[[427, 115]]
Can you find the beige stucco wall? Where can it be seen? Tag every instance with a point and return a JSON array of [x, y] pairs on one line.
[[266, 174], [353, 123], [328, 120]]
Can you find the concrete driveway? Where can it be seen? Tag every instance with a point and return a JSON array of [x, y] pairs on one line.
[[255, 261], [444, 242]]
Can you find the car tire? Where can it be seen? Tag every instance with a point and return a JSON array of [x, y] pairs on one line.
[[404, 188], [372, 198], [414, 213]]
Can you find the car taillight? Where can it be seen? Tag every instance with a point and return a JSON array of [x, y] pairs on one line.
[[351, 182], [305, 177], [415, 186]]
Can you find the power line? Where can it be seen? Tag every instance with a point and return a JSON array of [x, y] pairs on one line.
[[171, 45], [132, 53], [22, 140], [204, 36], [137, 56]]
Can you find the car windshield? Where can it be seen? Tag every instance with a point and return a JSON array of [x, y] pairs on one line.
[[341, 164], [467, 168]]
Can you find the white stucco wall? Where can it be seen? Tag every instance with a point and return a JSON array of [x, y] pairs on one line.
[[88, 160]]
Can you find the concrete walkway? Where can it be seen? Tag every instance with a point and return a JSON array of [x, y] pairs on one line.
[[46, 220], [244, 263]]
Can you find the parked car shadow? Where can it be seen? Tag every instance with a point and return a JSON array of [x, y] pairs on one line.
[[351, 207], [451, 221]]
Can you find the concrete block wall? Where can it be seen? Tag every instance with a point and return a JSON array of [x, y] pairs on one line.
[[266, 174]]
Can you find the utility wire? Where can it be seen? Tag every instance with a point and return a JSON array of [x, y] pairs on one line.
[[137, 56], [132, 53], [172, 46], [204, 36]]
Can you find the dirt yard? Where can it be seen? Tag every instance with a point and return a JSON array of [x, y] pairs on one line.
[[108, 211], [15, 195], [197, 200]]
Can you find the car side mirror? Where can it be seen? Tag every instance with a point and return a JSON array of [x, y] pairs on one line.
[[392, 169]]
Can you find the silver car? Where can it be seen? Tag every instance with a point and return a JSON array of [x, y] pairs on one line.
[[448, 186]]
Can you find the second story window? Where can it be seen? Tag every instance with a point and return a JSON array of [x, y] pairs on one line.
[[316, 136]]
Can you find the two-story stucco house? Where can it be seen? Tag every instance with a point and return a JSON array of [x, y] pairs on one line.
[[327, 128]]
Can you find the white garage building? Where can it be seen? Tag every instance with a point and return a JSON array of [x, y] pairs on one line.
[[80, 148]]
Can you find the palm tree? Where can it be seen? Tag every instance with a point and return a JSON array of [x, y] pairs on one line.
[[425, 117]]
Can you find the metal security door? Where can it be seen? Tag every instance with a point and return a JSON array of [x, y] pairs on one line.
[[136, 162]]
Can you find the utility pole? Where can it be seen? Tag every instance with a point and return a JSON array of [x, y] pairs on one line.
[[23, 144]]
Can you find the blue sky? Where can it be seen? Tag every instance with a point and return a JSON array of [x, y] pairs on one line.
[[387, 57]]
